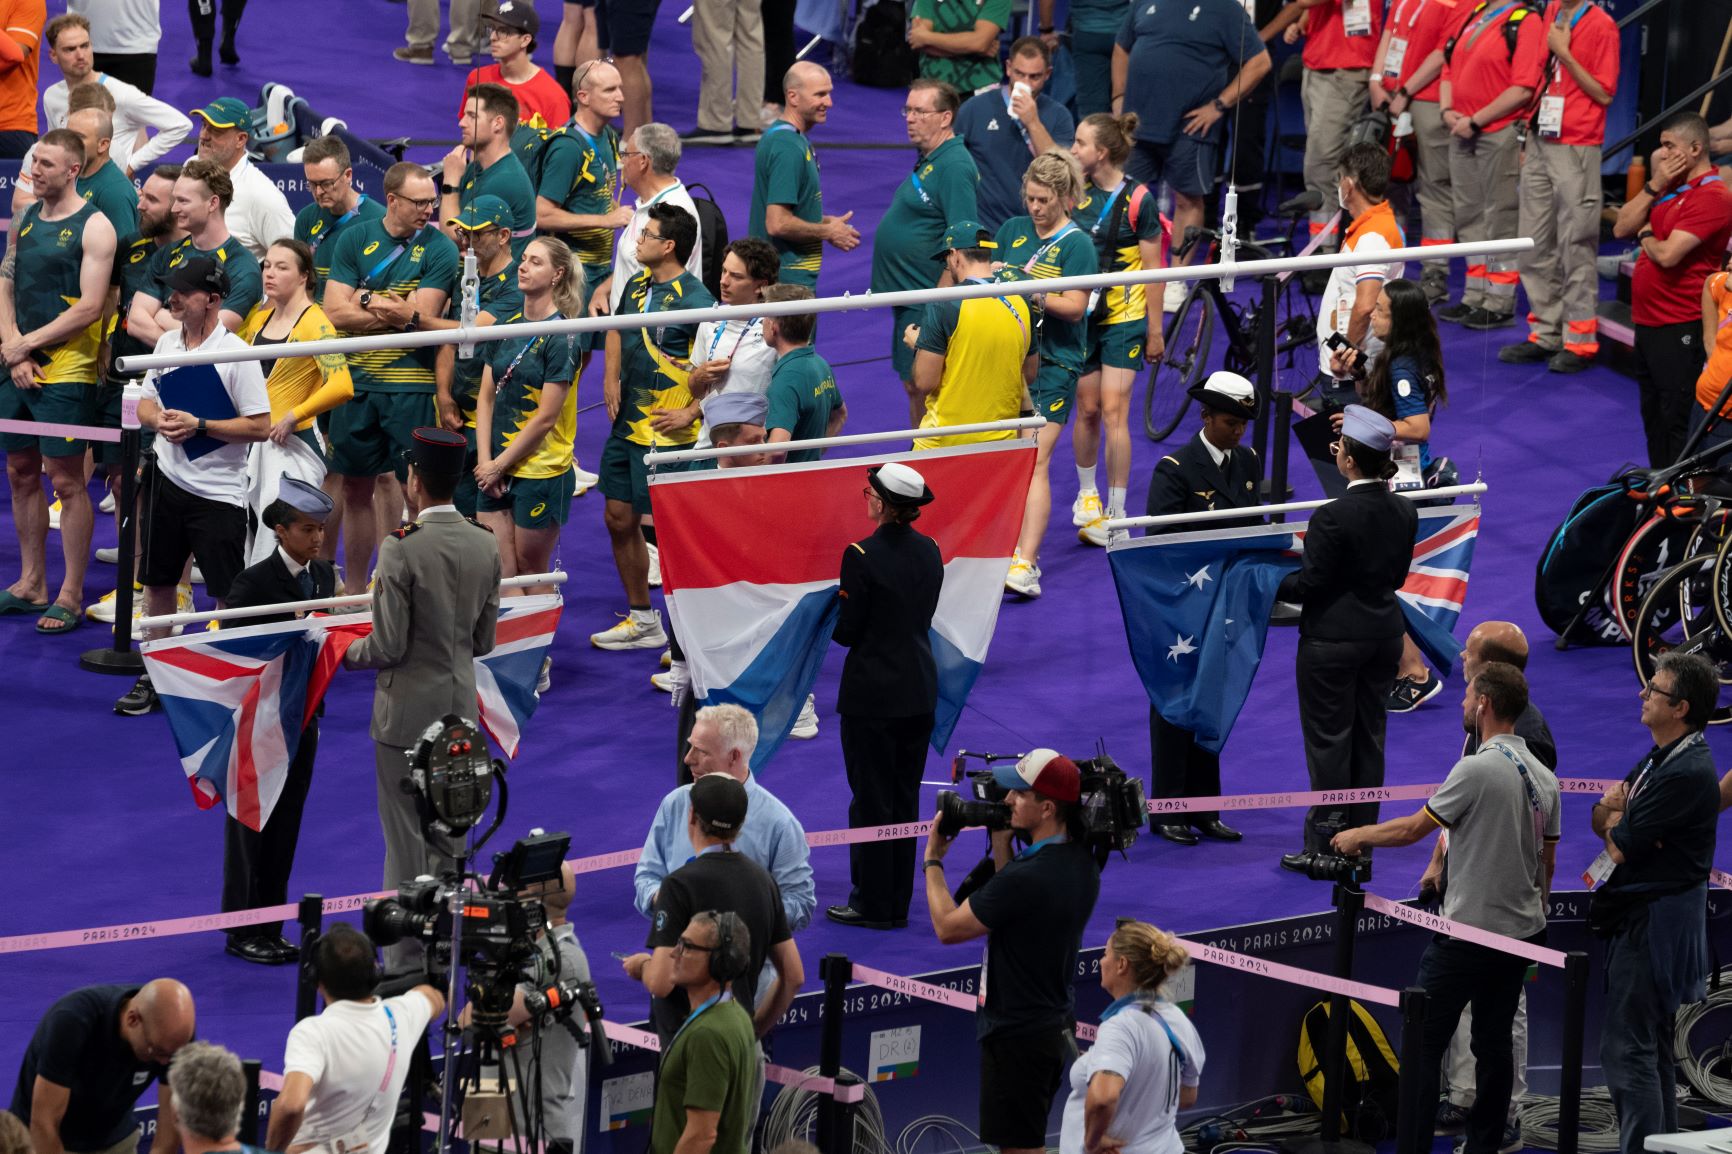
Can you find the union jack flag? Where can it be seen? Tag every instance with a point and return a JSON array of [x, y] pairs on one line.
[[1437, 580], [237, 700]]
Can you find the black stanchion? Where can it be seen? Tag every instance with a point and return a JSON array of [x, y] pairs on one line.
[[1570, 1072], [1349, 903], [835, 1119], [1279, 453], [250, 1068], [1265, 374], [1414, 1121], [312, 918], [120, 657]]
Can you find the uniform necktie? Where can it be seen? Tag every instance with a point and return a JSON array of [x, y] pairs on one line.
[[305, 577]]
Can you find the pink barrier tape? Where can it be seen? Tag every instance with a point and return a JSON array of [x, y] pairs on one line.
[[868, 833], [628, 1036], [925, 991], [171, 927], [1587, 784], [1291, 974], [1289, 800], [605, 861], [781, 1075], [1085, 1032], [1720, 878], [70, 432], [1465, 933]]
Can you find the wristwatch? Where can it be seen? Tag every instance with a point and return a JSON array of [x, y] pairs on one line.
[[201, 425], [365, 300], [414, 322], [1219, 107], [1651, 190], [1475, 126], [448, 188]]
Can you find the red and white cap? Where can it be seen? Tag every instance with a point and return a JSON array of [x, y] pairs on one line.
[[1046, 771]]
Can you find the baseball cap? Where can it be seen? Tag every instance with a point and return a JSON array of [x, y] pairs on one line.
[[224, 112], [720, 802], [484, 212], [1046, 771], [201, 274], [965, 234], [519, 15]]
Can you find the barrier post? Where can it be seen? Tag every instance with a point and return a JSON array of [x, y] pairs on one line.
[[311, 918], [835, 1120], [1570, 1071], [1271, 287], [1349, 903], [1278, 491], [1413, 1121], [120, 657], [250, 1069]]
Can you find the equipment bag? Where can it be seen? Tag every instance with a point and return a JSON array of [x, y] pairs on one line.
[[712, 234], [1577, 553], [1370, 1097], [882, 57]]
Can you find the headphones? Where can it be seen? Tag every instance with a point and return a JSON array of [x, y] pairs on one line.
[[724, 965]]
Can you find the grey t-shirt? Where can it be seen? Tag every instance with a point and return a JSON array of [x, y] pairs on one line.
[[1495, 877], [564, 1064]]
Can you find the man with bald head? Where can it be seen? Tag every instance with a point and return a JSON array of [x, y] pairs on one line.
[[1504, 641], [787, 204], [101, 181], [92, 1055]]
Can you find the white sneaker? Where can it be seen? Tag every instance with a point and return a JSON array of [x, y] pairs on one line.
[[109, 555], [806, 725], [1174, 295], [1023, 578], [667, 659], [632, 633], [54, 514], [546, 679], [1095, 532], [655, 570], [196, 577], [107, 505], [1085, 508], [103, 610], [663, 681], [585, 479]]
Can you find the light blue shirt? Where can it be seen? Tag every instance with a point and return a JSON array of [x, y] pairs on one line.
[[772, 836]]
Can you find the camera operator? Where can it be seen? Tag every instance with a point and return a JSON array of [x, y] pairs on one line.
[[709, 1083], [718, 877], [92, 1055], [343, 1071], [211, 1092], [1500, 806], [1031, 910]]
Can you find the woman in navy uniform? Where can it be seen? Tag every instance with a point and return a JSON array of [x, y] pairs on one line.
[[1210, 471], [256, 862], [889, 691]]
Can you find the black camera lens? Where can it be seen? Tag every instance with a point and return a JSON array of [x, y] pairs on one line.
[[387, 921], [955, 815]]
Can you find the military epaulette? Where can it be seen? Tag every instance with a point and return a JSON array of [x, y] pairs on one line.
[[478, 524], [403, 531], [856, 545], [1170, 457]]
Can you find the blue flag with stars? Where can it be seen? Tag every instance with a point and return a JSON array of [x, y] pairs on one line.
[[1196, 609]]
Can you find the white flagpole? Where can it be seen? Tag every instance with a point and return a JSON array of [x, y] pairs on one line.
[[169, 621], [1451, 491], [674, 457]]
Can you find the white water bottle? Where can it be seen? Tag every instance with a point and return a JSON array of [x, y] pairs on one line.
[[130, 394], [471, 307]]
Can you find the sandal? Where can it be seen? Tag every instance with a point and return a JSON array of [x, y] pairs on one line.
[[69, 620], [10, 602]]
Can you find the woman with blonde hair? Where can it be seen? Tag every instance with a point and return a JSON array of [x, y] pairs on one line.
[[1127, 1090]]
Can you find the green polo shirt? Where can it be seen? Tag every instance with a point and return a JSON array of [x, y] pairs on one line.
[[113, 195], [370, 258], [940, 190], [132, 271], [966, 74], [655, 365], [506, 179], [318, 230], [711, 1064], [1027, 256], [580, 173], [802, 396], [786, 173], [246, 286], [500, 299]]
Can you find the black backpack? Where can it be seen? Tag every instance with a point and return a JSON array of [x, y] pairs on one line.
[[1370, 1097], [1577, 554], [882, 57], [713, 230]]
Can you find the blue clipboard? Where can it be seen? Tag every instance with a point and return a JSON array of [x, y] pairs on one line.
[[197, 389]]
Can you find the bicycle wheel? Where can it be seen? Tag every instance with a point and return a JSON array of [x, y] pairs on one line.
[[1655, 546], [1182, 365], [1661, 629]]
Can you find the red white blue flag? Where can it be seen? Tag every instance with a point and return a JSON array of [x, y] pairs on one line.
[[238, 699], [751, 588], [1437, 580]]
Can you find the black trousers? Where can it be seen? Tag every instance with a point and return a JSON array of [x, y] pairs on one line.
[[203, 13], [1343, 689], [256, 863], [779, 47], [136, 68], [1455, 975], [1182, 768], [884, 757], [1669, 358]]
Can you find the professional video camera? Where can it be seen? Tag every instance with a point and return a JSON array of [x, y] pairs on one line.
[[1335, 867], [1111, 802]]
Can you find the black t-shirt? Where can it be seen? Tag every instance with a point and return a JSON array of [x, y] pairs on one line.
[[1036, 908], [1670, 819], [78, 1045], [728, 882]]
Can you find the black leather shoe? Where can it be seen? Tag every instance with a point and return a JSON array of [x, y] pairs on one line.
[[287, 947], [264, 951], [1218, 830], [1175, 833], [139, 700], [200, 64], [1297, 862], [849, 916], [226, 52]]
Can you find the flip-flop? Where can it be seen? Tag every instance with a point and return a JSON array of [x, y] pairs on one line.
[[69, 620], [10, 602]]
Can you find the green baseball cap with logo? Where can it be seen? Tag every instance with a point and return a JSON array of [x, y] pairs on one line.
[[965, 234], [224, 112], [484, 212]]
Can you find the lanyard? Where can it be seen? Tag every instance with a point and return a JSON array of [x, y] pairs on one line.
[[1176, 1059], [390, 1067], [1648, 765], [1005, 301], [1107, 209], [918, 187], [1686, 188], [1396, 17], [778, 126], [1533, 795], [595, 147], [390, 259], [1069, 227], [528, 345], [716, 336], [1024, 854], [1486, 22], [339, 223], [693, 1016], [1554, 66]]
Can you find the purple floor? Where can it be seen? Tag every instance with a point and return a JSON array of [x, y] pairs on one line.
[[107, 831]]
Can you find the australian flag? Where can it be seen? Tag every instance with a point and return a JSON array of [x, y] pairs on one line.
[[238, 699], [1196, 608]]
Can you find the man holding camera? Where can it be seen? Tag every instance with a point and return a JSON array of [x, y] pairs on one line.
[[1500, 806], [343, 1071], [1031, 909]]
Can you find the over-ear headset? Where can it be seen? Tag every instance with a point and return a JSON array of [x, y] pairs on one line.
[[727, 962]]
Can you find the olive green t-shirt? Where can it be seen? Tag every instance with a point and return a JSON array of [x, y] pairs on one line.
[[711, 1064]]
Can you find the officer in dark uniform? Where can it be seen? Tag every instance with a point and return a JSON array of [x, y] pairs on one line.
[[889, 692], [256, 862], [1357, 552], [1210, 471], [435, 609]]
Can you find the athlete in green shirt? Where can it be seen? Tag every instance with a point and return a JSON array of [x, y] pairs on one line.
[[577, 198], [337, 203], [201, 197], [484, 165], [805, 403], [958, 42], [787, 202]]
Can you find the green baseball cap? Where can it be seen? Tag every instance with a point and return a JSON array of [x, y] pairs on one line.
[[965, 234], [224, 112], [484, 212]]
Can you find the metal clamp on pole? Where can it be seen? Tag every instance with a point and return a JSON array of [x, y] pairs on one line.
[[250, 1070], [1570, 1070], [312, 919], [1417, 1112], [1349, 903], [835, 1121]]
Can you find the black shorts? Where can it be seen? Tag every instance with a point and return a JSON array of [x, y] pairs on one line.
[[629, 23], [1018, 1078], [1189, 164], [179, 524]]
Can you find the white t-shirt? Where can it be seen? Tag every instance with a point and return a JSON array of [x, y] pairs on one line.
[[123, 27], [1336, 308], [625, 265], [259, 213], [752, 360], [357, 1075], [134, 111], [221, 474], [1133, 1045]]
